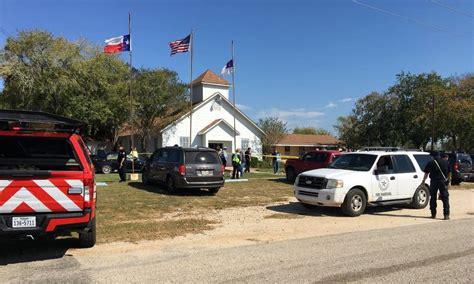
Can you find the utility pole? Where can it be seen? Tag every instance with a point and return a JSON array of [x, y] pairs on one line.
[[432, 121]]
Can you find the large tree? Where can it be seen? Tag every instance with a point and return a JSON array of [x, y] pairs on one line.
[[75, 79], [274, 130], [160, 97], [310, 130]]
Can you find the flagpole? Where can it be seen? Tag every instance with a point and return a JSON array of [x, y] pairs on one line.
[[233, 92], [191, 92], [132, 142]]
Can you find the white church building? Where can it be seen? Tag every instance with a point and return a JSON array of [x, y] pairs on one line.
[[212, 121]]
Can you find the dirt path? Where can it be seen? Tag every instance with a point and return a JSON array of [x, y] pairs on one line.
[[284, 221]]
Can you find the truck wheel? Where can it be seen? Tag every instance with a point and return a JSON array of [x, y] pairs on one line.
[[290, 174], [214, 190], [170, 187], [87, 240], [354, 203], [106, 169], [420, 198]]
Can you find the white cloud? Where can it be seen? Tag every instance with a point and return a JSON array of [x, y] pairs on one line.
[[292, 117], [330, 105], [243, 107], [346, 100]]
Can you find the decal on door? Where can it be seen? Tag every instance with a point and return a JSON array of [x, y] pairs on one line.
[[384, 183]]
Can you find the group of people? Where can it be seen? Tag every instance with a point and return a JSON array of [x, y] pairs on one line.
[[240, 161]]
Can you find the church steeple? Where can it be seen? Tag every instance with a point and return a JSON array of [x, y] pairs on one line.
[[207, 84]]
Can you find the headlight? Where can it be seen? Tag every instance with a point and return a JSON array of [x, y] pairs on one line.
[[334, 183], [297, 180]]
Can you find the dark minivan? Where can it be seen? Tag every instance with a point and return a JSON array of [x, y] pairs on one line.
[[461, 166], [181, 168]]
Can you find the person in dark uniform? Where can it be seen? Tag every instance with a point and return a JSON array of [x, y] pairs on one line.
[[440, 175], [248, 158], [121, 159]]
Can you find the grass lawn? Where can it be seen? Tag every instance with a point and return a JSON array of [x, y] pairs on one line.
[[131, 211]]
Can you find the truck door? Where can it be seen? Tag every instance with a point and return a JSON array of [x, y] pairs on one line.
[[384, 181], [408, 178]]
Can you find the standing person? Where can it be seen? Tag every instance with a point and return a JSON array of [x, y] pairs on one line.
[[236, 164], [275, 160], [134, 153], [121, 162], [223, 156], [440, 175], [242, 163], [248, 158]]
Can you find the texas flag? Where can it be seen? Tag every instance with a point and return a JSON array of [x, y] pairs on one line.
[[117, 44]]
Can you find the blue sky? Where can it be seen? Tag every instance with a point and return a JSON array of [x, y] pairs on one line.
[[304, 61]]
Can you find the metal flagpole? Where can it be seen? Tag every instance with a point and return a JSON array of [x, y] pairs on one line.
[[191, 92], [233, 93], [132, 142]]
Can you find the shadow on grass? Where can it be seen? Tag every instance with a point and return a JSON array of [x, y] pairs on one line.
[[318, 211], [20, 251], [161, 189]]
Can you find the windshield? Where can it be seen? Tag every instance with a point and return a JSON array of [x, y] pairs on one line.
[[354, 162]]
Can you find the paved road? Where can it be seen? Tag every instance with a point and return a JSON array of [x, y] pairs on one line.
[[436, 252]]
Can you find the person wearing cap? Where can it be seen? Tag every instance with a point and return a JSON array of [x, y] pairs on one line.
[[439, 172]]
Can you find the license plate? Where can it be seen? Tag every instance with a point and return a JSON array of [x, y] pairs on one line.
[[23, 222], [205, 173]]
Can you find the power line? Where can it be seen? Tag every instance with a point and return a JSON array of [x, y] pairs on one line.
[[414, 20], [452, 9]]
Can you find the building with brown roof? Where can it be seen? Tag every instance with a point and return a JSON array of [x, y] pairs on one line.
[[296, 144]]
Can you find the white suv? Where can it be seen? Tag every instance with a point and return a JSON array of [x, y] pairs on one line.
[[357, 180]]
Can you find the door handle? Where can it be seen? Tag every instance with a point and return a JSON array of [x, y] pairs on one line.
[[392, 178], [415, 176]]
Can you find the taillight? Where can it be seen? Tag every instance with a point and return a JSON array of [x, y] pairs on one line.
[[89, 192], [182, 170], [456, 166]]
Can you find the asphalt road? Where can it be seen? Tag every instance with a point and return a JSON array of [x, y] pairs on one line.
[[436, 252]]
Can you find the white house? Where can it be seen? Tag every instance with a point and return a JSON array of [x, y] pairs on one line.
[[212, 121]]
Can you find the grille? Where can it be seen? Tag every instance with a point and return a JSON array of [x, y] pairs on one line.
[[303, 192], [312, 182]]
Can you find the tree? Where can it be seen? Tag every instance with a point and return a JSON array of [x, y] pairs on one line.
[[274, 129], [160, 97], [311, 130], [74, 79]]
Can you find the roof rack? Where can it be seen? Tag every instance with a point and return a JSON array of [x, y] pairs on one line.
[[388, 149], [23, 120]]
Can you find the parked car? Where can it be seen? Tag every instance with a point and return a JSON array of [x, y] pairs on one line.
[[107, 163], [47, 180], [309, 161], [181, 168], [357, 180], [461, 166]]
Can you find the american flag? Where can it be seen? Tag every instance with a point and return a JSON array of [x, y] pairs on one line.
[[180, 45]]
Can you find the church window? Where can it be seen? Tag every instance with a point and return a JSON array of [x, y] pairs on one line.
[[245, 143], [184, 141]]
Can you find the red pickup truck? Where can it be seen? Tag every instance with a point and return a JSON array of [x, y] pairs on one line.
[[47, 180], [309, 161]]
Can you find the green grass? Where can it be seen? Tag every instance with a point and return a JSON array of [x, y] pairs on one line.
[[131, 211]]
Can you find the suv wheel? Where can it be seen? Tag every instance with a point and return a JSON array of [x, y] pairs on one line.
[[106, 169], [420, 198], [290, 174], [214, 190], [170, 187], [87, 240], [354, 203]]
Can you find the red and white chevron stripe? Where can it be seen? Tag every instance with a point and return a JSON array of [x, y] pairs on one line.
[[40, 196]]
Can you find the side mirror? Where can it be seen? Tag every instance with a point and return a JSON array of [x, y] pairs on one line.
[[376, 172]]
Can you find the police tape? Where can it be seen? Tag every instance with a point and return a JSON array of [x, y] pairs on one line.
[[281, 156]]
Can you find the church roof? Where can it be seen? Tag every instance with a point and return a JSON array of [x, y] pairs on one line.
[[210, 77], [214, 124]]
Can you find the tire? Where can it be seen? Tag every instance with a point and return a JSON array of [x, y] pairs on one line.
[[170, 186], [106, 169], [214, 190], [354, 203], [421, 198], [88, 239], [290, 174], [145, 178]]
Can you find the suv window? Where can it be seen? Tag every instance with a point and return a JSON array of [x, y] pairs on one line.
[[206, 157], [174, 156], [403, 164], [422, 160], [307, 157], [385, 164], [163, 156], [354, 162]]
